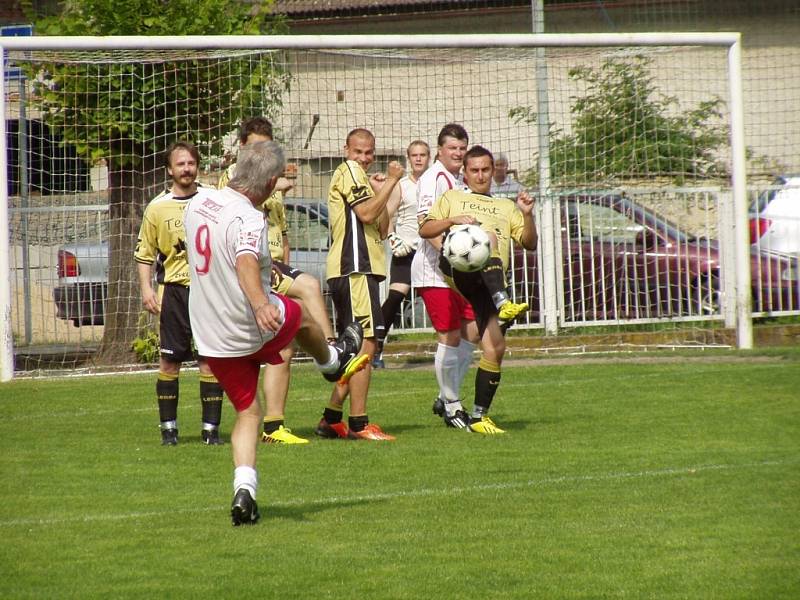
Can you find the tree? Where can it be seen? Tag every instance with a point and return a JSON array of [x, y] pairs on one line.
[[622, 128], [128, 111]]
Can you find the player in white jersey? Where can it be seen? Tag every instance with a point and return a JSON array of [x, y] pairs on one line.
[[403, 238], [451, 315], [238, 323]]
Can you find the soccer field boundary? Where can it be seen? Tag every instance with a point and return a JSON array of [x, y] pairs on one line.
[[417, 493]]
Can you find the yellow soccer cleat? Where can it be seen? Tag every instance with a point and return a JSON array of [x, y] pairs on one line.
[[485, 426], [354, 366], [282, 435]]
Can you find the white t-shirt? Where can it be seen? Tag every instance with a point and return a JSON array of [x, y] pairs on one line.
[[221, 225], [405, 224], [433, 183]]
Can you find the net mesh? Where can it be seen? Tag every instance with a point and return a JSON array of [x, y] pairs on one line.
[[87, 131]]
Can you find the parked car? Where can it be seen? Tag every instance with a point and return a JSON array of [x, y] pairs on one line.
[[775, 217], [82, 289], [621, 260]]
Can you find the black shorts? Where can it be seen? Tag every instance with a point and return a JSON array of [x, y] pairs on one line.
[[471, 286], [283, 277], [357, 298], [400, 271], [175, 331]]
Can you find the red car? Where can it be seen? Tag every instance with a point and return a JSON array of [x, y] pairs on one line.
[[623, 261]]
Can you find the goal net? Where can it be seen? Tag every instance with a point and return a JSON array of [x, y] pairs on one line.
[[627, 149]]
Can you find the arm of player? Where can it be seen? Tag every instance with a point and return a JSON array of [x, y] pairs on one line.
[[434, 228], [526, 203], [371, 210], [149, 295], [286, 249], [268, 316]]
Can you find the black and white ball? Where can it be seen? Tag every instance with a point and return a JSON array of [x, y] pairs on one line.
[[467, 248]]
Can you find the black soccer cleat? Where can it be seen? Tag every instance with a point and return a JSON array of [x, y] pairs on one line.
[[459, 420], [169, 437], [211, 437], [438, 407], [244, 510], [347, 346]]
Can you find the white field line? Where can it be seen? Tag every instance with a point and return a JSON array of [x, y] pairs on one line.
[[417, 493]]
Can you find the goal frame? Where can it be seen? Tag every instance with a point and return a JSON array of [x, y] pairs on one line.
[[729, 40]]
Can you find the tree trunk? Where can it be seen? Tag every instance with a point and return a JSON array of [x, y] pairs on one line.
[[130, 188]]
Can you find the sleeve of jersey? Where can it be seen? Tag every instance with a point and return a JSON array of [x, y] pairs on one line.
[[355, 185], [426, 194], [517, 224], [145, 252], [248, 236], [440, 209]]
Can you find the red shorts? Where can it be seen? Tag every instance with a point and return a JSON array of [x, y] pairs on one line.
[[446, 308], [238, 375]]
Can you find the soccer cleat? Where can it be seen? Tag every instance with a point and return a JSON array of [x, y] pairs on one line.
[[377, 362], [485, 426], [510, 311], [371, 432], [332, 431], [459, 420], [244, 510], [211, 437], [169, 437], [282, 435], [347, 346], [438, 407]]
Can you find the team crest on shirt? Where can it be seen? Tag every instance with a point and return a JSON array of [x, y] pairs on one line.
[[359, 192]]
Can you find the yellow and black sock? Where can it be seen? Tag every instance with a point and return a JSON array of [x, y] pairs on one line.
[[487, 379], [357, 422], [211, 399], [494, 280], [272, 424], [167, 396], [332, 414]]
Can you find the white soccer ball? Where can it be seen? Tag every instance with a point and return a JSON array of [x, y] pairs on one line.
[[467, 248]]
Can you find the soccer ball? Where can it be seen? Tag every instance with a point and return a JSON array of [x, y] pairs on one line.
[[467, 248]]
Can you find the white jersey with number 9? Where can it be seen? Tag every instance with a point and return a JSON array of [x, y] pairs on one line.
[[221, 225]]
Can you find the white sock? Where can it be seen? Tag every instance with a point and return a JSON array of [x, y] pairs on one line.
[[245, 477], [333, 361], [450, 369], [438, 361], [466, 353]]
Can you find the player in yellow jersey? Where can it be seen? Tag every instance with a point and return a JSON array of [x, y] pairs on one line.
[[286, 280], [161, 245], [356, 265], [504, 220]]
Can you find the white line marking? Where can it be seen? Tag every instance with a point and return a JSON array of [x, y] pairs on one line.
[[423, 492]]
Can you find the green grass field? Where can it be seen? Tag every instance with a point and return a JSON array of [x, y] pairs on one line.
[[623, 478]]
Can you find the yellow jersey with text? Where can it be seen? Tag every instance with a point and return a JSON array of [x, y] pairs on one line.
[[356, 247]]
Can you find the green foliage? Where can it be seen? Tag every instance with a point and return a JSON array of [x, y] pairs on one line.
[[146, 345], [622, 127], [126, 110]]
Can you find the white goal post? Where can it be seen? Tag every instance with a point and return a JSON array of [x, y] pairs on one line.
[[729, 41]]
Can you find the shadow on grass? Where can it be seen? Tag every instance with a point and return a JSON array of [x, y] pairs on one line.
[[303, 512]]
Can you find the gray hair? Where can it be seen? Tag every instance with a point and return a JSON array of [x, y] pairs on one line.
[[501, 157], [256, 165]]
